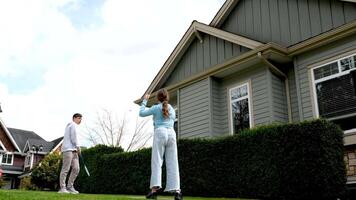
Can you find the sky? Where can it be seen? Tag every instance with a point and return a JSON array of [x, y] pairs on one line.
[[59, 57]]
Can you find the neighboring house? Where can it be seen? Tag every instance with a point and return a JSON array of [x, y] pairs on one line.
[[17, 155], [260, 62]]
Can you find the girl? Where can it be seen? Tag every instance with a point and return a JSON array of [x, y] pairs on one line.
[[164, 143]]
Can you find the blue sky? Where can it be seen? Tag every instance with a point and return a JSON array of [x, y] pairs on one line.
[[58, 57]]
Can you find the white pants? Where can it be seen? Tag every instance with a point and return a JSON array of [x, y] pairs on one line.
[[164, 143]]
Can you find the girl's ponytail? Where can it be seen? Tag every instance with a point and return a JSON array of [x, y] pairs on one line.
[[163, 97]]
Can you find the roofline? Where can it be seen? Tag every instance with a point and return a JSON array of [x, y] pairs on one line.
[[267, 48], [188, 37], [228, 6], [324, 38], [2, 145], [27, 144], [223, 12], [57, 146], [9, 135]]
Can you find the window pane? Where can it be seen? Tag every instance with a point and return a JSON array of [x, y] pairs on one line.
[[336, 97], [239, 92], [4, 158], [347, 63], [9, 158], [326, 71], [240, 115]]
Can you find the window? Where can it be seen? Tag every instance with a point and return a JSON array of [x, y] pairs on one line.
[[28, 160], [239, 108], [7, 159], [334, 91]]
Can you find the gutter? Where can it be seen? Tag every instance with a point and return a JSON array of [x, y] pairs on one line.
[[286, 82]]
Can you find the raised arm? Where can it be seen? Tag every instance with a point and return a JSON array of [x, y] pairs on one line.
[[146, 111]]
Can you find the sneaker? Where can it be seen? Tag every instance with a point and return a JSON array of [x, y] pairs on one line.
[[63, 191], [152, 195], [178, 196], [72, 190]]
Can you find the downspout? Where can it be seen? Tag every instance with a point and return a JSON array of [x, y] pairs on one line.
[[286, 82]]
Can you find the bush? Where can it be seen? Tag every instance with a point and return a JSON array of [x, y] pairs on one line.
[[26, 184], [46, 174], [294, 161], [91, 158]]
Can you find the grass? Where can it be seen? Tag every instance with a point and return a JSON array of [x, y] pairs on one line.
[[37, 195]]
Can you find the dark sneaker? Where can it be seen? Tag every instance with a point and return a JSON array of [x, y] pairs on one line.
[[152, 195], [178, 196]]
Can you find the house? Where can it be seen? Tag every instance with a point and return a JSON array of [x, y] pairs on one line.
[[18, 153], [261, 62]]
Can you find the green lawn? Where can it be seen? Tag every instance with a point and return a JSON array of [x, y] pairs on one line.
[[34, 195]]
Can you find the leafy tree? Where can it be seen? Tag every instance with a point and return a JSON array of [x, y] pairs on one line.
[[46, 174]]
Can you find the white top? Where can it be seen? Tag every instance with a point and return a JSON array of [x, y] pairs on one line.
[[70, 141]]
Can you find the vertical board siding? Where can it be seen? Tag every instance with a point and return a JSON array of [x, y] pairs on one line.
[[194, 110], [287, 21], [201, 56], [303, 61]]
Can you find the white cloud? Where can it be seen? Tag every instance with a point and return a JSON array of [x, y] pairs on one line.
[[108, 66]]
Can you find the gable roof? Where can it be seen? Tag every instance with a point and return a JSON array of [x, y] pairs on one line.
[[229, 5], [21, 136], [56, 143], [194, 31], [9, 135]]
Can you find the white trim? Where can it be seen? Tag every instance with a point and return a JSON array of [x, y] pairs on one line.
[[11, 172], [9, 135], [187, 38], [350, 131], [12, 158], [248, 97], [27, 144], [351, 1], [31, 161], [314, 82], [25, 164], [58, 145], [2, 145]]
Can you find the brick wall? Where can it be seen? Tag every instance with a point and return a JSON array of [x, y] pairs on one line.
[[350, 160]]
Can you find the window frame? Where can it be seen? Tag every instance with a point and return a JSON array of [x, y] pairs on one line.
[[248, 97], [7, 154], [339, 74]]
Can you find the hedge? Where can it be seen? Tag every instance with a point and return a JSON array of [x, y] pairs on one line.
[[292, 161]]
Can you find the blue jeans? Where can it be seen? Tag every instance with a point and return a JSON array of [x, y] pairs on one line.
[[164, 143]]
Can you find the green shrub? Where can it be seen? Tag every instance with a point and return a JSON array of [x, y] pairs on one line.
[[26, 184], [91, 158], [293, 161], [46, 174]]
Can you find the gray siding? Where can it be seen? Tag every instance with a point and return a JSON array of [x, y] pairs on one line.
[[261, 109], [279, 100], [201, 56], [194, 110], [220, 120], [302, 62], [260, 92], [293, 94], [287, 22]]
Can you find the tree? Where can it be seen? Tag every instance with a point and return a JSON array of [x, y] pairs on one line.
[[46, 174], [109, 130]]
